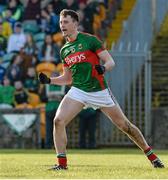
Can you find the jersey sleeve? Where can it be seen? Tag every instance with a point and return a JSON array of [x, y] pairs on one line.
[[96, 45]]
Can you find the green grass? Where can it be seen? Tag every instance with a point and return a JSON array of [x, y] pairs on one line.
[[89, 164]]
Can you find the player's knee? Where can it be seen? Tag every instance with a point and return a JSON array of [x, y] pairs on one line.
[[58, 122]]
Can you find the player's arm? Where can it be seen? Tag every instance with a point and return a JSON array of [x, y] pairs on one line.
[[107, 59], [108, 62], [64, 79]]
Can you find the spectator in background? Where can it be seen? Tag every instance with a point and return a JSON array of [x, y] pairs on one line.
[[50, 51], [17, 40], [43, 21], [29, 54], [32, 9], [82, 1], [89, 12], [21, 95], [14, 71], [31, 83], [87, 124], [6, 27], [48, 21], [3, 41], [8, 17], [30, 47], [2, 72], [58, 6], [15, 8], [6, 94], [111, 11], [81, 17], [72, 4], [53, 19], [2, 5], [83, 23]]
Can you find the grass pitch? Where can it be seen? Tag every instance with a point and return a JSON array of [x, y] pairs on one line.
[[83, 164]]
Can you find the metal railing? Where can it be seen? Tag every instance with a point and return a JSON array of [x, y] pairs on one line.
[[130, 82], [142, 25]]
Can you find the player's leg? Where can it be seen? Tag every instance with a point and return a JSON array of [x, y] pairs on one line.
[[120, 120], [66, 111]]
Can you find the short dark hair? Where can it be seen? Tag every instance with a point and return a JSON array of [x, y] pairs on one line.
[[72, 13]]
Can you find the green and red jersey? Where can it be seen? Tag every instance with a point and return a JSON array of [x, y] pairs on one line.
[[80, 56]]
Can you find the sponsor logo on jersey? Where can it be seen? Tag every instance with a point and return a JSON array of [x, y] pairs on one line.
[[75, 59]]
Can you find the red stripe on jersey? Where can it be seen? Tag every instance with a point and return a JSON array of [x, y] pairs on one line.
[[86, 56]]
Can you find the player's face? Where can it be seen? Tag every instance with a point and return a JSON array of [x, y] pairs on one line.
[[67, 25]]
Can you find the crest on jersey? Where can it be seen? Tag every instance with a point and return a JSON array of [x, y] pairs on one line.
[[72, 50], [80, 46], [66, 52]]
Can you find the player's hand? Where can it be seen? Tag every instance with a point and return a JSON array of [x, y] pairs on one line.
[[44, 79], [100, 69]]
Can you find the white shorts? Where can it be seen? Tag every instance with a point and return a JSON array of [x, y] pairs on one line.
[[95, 100]]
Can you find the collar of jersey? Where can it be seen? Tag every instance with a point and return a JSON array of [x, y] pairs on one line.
[[74, 39]]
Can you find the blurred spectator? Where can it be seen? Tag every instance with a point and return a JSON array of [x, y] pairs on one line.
[[3, 41], [50, 51], [31, 82], [87, 124], [48, 21], [111, 11], [17, 40], [43, 21], [30, 47], [89, 11], [119, 4], [15, 8], [58, 39], [82, 5], [29, 55], [81, 17], [53, 19], [6, 27], [58, 6], [2, 72], [82, 23], [32, 9], [6, 94], [72, 4], [8, 17], [2, 5], [21, 94], [14, 71], [99, 16], [82, 1]]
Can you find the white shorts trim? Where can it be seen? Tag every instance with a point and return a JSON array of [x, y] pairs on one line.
[[95, 100]]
